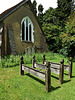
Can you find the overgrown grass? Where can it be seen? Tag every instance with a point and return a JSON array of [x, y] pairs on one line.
[[28, 87], [10, 61]]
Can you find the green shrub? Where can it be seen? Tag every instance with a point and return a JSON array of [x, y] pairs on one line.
[[68, 49], [11, 60]]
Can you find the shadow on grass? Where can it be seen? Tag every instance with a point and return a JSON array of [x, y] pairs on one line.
[[68, 75], [65, 74], [42, 82], [55, 88], [73, 77], [55, 77], [73, 59], [66, 81]]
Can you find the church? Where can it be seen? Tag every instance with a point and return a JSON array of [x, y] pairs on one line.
[[20, 30]]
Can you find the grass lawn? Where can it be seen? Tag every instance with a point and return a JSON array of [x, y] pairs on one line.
[[27, 87]]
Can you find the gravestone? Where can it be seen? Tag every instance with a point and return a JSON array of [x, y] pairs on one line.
[[26, 52], [29, 51], [33, 50]]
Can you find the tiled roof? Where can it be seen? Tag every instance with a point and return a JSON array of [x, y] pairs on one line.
[[11, 10]]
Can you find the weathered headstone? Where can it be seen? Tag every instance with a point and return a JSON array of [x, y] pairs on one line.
[[29, 51], [26, 52], [33, 50]]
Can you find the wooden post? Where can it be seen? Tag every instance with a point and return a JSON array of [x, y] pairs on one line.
[[33, 61], [70, 67], [43, 59], [0, 53], [21, 62], [0, 46], [61, 73], [48, 77]]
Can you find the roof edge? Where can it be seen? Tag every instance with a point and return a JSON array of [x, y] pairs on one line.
[[23, 2]]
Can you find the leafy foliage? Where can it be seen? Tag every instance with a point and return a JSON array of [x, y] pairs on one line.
[[11, 61], [34, 6], [40, 14], [63, 11], [51, 30], [70, 25], [59, 27], [68, 37]]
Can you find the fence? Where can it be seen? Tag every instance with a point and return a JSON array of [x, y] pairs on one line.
[[43, 75], [57, 68], [48, 67], [69, 67]]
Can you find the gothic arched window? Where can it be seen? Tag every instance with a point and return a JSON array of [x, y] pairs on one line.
[[27, 30]]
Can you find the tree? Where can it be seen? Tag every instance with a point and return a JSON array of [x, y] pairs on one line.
[[34, 6], [51, 30], [63, 11], [68, 37], [40, 14], [70, 25]]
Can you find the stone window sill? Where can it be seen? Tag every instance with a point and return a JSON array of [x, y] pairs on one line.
[[27, 41]]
